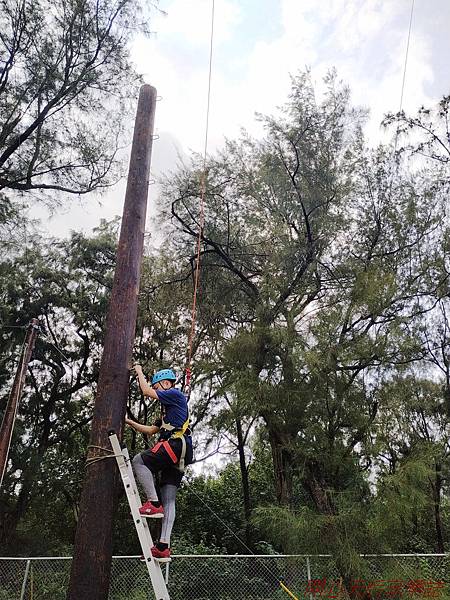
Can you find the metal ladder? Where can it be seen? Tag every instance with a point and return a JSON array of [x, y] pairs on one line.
[[142, 528]]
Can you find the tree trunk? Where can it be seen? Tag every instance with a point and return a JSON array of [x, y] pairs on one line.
[[436, 487], [12, 517], [315, 484], [316, 488], [245, 481], [447, 395], [282, 466]]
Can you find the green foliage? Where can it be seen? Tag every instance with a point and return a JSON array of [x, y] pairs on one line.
[[201, 500], [321, 355], [54, 283], [65, 88], [319, 264]]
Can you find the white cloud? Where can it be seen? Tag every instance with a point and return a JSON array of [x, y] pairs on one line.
[[364, 39], [190, 20]]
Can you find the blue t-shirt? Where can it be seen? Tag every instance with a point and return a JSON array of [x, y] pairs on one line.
[[175, 408]]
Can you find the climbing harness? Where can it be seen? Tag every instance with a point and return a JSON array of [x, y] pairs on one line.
[[178, 464], [165, 444], [175, 433]]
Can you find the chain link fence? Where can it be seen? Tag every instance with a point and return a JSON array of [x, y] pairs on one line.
[[208, 577]]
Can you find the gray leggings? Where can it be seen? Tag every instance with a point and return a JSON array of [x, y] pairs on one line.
[[168, 495]]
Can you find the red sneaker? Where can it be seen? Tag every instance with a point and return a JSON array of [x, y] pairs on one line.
[[151, 511], [161, 555]]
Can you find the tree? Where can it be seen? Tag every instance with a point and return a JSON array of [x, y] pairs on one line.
[[431, 139], [66, 284], [66, 83], [234, 424], [61, 284], [319, 255], [411, 453]]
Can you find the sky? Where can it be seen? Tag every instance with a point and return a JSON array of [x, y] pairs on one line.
[[258, 45]]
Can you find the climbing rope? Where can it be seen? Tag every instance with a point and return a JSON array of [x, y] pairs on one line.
[[404, 70], [405, 65], [96, 458], [187, 369]]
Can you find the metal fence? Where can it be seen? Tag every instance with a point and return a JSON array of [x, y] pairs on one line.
[[239, 577]]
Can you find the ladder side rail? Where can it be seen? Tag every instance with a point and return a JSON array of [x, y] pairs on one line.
[[132, 479], [130, 471], [142, 529]]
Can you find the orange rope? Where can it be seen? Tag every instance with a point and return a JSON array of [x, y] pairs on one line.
[[202, 213]]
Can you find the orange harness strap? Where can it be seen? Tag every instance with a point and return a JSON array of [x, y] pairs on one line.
[[165, 444]]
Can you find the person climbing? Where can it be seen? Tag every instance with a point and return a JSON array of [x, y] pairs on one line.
[[168, 457]]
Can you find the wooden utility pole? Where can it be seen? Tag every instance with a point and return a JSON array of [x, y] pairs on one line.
[[91, 565], [9, 416]]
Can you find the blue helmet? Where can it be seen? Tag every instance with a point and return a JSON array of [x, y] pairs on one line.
[[164, 374]]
